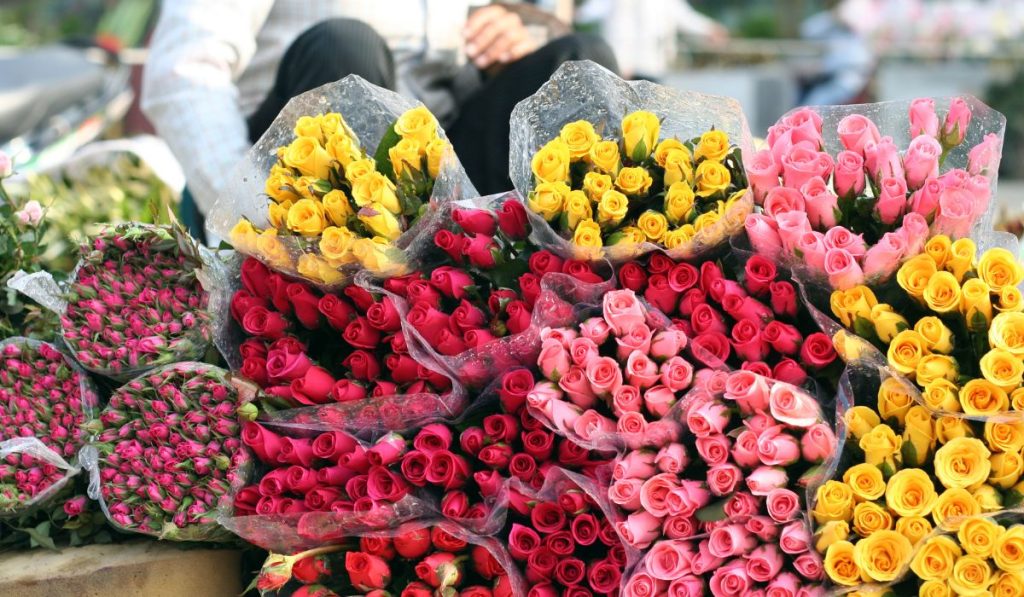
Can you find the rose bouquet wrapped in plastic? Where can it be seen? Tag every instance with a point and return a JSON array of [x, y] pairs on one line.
[[850, 207]]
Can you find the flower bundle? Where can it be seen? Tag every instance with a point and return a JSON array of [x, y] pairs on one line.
[[307, 347], [170, 456], [136, 302], [730, 516], [44, 403], [331, 205], [635, 188], [953, 325], [856, 215]]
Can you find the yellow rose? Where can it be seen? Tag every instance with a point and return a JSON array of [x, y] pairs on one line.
[[982, 397], [309, 187], [306, 155], [331, 122], [595, 184], [850, 304], [679, 203], [962, 462], [939, 248], [941, 394], [934, 588], [937, 336], [714, 145], [706, 221], [910, 493], [887, 322], [894, 400], [999, 268], [1017, 399], [679, 237], [277, 213], [988, 498], [841, 566], [417, 123], [577, 209], [243, 236], [942, 294], [906, 350], [976, 304], [1007, 333], [376, 255], [869, 517], [360, 168], [678, 168], [587, 234], [605, 156], [949, 428], [1007, 584], [380, 221], [1006, 469], [640, 134], [338, 208], [273, 251], [1005, 436], [978, 536], [551, 162], [860, 420], [866, 481], [834, 502], [711, 178], [1008, 553], [579, 137], [611, 209], [633, 181], [405, 155], [437, 149], [1010, 299], [1002, 369], [308, 126], [308, 266], [548, 199], [279, 185], [914, 274], [971, 576], [882, 447], [376, 188], [628, 235], [914, 528], [961, 257], [336, 245], [918, 436], [883, 555], [936, 366], [667, 146], [829, 533], [344, 149], [935, 559], [653, 224], [306, 217], [953, 506]]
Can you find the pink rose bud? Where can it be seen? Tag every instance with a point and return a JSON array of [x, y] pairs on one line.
[[849, 174], [984, 158], [764, 235], [730, 541], [795, 538], [640, 529], [921, 161], [842, 269], [954, 128], [856, 132], [923, 119], [763, 173], [763, 479]]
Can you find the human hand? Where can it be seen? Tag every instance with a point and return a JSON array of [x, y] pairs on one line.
[[496, 35]]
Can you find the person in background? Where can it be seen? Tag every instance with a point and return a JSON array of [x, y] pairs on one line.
[[845, 70], [220, 71]]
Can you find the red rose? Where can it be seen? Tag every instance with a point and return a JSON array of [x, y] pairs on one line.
[[760, 273], [569, 453], [609, 536], [451, 243], [421, 291], [384, 388], [501, 428], [784, 338], [289, 344], [417, 589], [748, 342], [544, 261], [498, 298], [485, 563], [747, 307], [261, 322], [789, 371], [296, 451], [382, 547], [400, 284], [538, 443], [489, 482], [817, 351], [286, 366], [383, 485], [540, 566], [482, 251], [402, 368], [446, 541], [320, 499], [305, 305], [397, 343], [357, 486], [278, 285], [515, 385], [253, 348], [560, 543], [345, 390], [759, 367], [659, 263], [519, 317], [503, 587], [632, 276], [432, 438], [604, 576], [529, 288], [478, 338], [584, 529], [570, 571], [439, 567], [362, 365], [337, 311], [414, 467], [495, 456], [361, 334], [428, 321], [361, 297], [547, 517], [475, 221], [682, 277], [264, 442], [522, 466], [454, 504], [448, 343], [246, 500], [383, 316], [331, 445], [467, 317], [706, 320], [660, 295], [255, 276], [336, 476], [311, 569], [712, 348], [242, 302], [367, 572], [472, 440], [543, 589], [783, 299], [439, 381], [314, 387], [691, 298], [582, 271], [522, 541], [412, 540], [255, 368], [447, 470], [709, 272], [512, 220], [450, 282]]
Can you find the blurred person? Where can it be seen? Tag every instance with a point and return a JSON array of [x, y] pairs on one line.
[[220, 71], [848, 64]]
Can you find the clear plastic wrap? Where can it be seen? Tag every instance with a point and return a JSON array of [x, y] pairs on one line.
[[368, 115], [586, 91]]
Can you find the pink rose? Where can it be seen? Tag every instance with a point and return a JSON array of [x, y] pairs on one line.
[[812, 245], [821, 203], [668, 560], [801, 164], [641, 371], [730, 540], [764, 563], [576, 387], [783, 505], [777, 448], [627, 399], [763, 527], [789, 371], [662, 432], [925, 200], [892, 199], [841, 238], [604, 376], [654, 493], [542, 393], [710, 418], [923, 120], [883, 258], [882, 160], [622, 311], [641, 584], [921, 161], [596, 329], [713, 449], [763, 173], [763, 233], [809, 566], [842, 269], [563, 335], [636, 339], [592, 425], [957, 120], [687, 498], [984, 157], [763, 479], [849, 175], [805, 591], [981, 188], [955, 178], [856, 131], [818, 443], [744, 449], [635, 465], [747, 340], [626, 493], [783, 199], [723, 479], [795, 538], [742, 503], [687, 585], [633, 425], [667, 344], [747, 389], [759, 422], [553, 360], [705, 562], [639, 529], [658, 400], [792, 225], [955, 215], [582, 350], [784, 338], [793, 406], [676, 374], [562, 415], [671, 458]]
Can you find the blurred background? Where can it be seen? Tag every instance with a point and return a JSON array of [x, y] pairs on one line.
[[70, 72]]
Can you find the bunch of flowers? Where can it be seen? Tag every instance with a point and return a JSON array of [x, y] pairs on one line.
[[170, 456], [745, 318], [331, 205], [306, 347], [731, 514], [44, 403], [633, 188], [880, 204], [954, 326], [136, 302], [416, 560]]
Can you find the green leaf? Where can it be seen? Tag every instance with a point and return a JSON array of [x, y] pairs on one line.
[[864, 328], [712, 512], [381, 157], [640, 152], [1012, 499], [40, 535], [910, 454]]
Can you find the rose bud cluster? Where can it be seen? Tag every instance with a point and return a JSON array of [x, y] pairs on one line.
[[614, 376], [483, 238], [415, 560], [746, 318], [170, 455], [305, 347], [136, 302], [42, 396]]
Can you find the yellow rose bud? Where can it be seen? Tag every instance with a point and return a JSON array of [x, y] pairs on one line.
[[883, 555], [633, 181], [551, 162], [376, 188], [437, 149], [577, 209], [611, 209], [918, 436], [360, 168], [938, 337], [914, 274], [1008, 553], [640, 134], [976, 304], [548, 199], [667, 146], [1006, 469], [417, 123], [882, 447], [910, 492], [1010, 299], [988, 498], [280, 185], [1007, 584], [329, 273], [336, 245], [953, 507], [841, 565], [935, 559], [653, 224], [605, 156], [595, 184], [887, 322], [942, 294], [848, 346], [950, 428], [999, 268], [1004, 436], [338, 207], [713, 145], [830, 532], [978, 536], [308, 126], [860, 420], [380, 221], [406, 156], [679, 203], [629, 235], [1007, 333], [894, 400], [277, 213], [961, 257], [377, 254], [942, 395], [587, 234], [306, 155], [866, 481], [939, 248], [309, 187], [308, 267], [869, 517], [906, 350], [1002, 369], [834, 502], [971, 576], [678, 168], [679, 237], [711, 178], [273, 251], [914, 528], [982, 397], [850, 304], [243, 236], [344, 149], [579, 137], [306, 217], [1017, 399], [934, 588], [331, 122], [936, 366], [706, 221], [962, 462]]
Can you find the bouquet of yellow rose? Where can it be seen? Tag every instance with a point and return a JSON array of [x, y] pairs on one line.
[[614, 169], [325, 207]]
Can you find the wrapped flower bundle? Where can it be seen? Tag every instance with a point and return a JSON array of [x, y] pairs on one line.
[[854, 215], [136, 302], [170, 456]]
